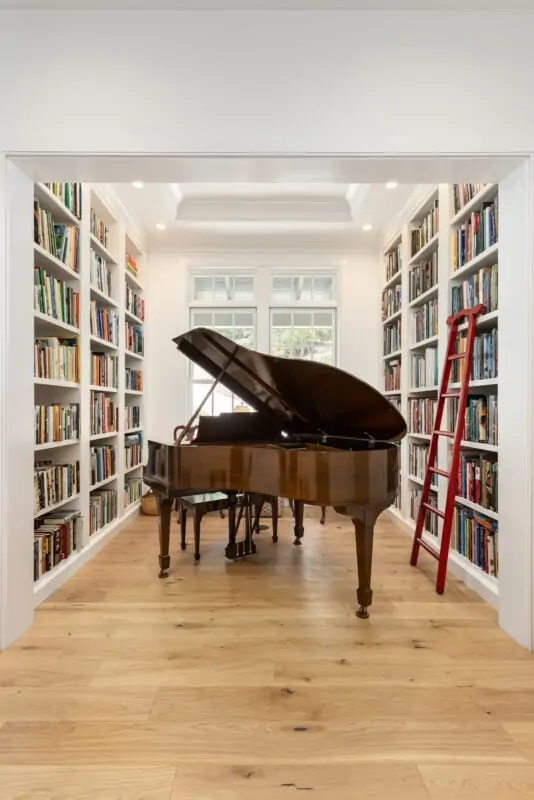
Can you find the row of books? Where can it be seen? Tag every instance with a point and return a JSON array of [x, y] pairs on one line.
[[56, 423], [134, 338], [134, 303], [423, 276], [104, 370], [61, 241], [101, 274], [421, 414], [134, 380], [426, 231], [131, 265], [54, 483], [485, 357], [481, 418], [70, 194], [55, 299], [104, 323], [424, 368], [392, 375], [133, 449], [391, 301], [476, 537], [418, 460], [395, 401], [103, 462], [132, 417], [463, 193], [133, 490], [477, 479], [479, 288], [104, 414], [56, 536], [56, 359], [475, 235], [102, 509], [431, 520], [392, 337], [99, 229], [425, 321], [394, 262]]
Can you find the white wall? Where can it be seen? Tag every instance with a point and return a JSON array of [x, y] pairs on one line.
[[267, 82], [359, 328]]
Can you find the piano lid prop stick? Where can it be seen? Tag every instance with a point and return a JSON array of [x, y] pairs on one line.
[[206, 398]]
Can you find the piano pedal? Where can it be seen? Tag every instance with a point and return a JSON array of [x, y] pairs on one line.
[[234, 550]]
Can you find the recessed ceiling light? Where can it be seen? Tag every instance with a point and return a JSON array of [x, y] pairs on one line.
[[160, 226], [391, 185], [138, 184], [367, 226]]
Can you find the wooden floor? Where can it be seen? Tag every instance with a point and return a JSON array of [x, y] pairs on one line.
[[255, 681]]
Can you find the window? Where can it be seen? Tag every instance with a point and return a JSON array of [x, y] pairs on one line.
[[309, 289], [222, 289], [239, 325], [308, 334]]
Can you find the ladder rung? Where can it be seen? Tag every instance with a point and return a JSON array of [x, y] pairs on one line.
[[451, 394], [450, 434], [442, 472], [428, 548], [455, 356], [434, 510]]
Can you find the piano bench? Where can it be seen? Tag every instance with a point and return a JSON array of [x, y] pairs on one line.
[[199, 505]]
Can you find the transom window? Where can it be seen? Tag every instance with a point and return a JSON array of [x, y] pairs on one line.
[[309, 335], [302, 289], [220, 289]]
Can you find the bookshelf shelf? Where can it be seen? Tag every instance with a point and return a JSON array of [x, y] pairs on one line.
[[424, 297], [396, 278], [131, 469], [131, 354], [106, 389], [42, 258], [102, 298], [486, 258], [49, 326], [133, 430], [102, 483], [55, 506], [95, 437], [56, 383], [392, 318], [99, 248], [55, 445], [103, 343], [133, 281], [425, 251], [132, 318], [430, 271]]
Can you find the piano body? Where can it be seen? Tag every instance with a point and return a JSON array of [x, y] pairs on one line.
[[319, 436]]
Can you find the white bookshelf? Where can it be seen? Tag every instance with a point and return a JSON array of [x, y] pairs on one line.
[[103, 285], [434, 284]]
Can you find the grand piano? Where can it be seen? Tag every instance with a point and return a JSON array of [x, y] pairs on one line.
[[320, 436]]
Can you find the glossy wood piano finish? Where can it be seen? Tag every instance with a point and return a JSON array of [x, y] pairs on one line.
[[320, 436]]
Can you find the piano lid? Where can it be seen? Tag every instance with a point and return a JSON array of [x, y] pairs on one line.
[[304, 396]]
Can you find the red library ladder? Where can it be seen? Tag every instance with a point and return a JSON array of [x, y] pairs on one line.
[[425, 507]]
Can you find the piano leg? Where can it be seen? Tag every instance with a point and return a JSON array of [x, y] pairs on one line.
[[364, 529], [298, 530], [183, 527], [274, 517], [164, 509]]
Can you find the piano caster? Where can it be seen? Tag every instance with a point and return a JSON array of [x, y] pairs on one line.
[[297, 541], [362, 612], [275, 537], [197, 557]]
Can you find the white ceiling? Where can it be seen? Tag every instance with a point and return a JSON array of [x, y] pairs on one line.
[[218, 215], [282, 5]]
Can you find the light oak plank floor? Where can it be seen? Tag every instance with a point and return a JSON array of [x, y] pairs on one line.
[[255, 681]]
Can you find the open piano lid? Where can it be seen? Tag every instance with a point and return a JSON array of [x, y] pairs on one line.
[[304, 396]]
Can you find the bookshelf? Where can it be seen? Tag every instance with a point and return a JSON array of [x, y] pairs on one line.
[[83, 306], [450, 247]]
